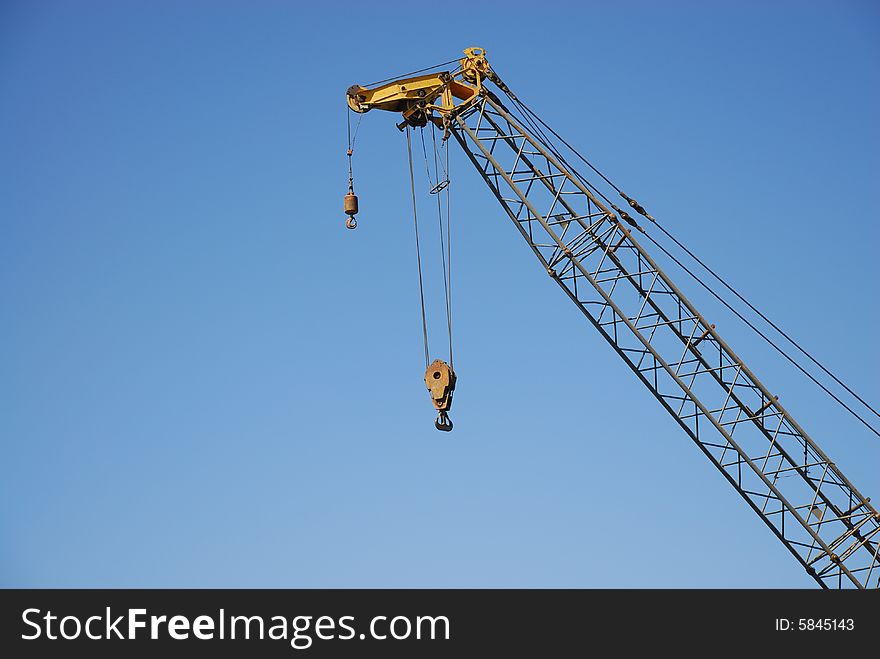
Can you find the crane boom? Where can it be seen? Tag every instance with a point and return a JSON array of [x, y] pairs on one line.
[[591, 251]]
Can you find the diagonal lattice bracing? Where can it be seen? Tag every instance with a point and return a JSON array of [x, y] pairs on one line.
[[776, 467]]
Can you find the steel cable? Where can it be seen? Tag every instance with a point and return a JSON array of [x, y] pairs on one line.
[[765, 318], [529, 114], [412, 182], [447, 274], [763, 336], [411, 73]]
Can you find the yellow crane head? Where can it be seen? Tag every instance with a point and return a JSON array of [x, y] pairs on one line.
[[431, 97]]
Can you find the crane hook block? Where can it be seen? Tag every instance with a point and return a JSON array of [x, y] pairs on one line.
[[440, 381], [443, 422], [350, 203]]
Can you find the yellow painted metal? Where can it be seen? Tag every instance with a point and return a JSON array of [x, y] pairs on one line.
[[432, 97], [474, 65]]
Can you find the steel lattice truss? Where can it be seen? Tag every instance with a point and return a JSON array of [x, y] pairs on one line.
[[777, 468]]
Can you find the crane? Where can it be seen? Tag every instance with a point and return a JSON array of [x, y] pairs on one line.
[[594, 251]]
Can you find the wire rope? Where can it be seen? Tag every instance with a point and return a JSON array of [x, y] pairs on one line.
[[535, 122], [411, 73], [412, 182]]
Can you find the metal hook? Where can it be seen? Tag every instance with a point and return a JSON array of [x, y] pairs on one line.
[[443, 422], [351, 223]]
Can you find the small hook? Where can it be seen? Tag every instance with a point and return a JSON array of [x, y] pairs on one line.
[[351, 223], [443, 422]]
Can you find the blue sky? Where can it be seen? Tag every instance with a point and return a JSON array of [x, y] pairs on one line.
[[208, 381]]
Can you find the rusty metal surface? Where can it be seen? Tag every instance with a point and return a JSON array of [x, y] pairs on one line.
[[440, 381]]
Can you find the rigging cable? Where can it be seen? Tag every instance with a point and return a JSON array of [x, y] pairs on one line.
[[350, 202], [767, 320], [529, 113], [549, 144], [527, 110], [435, 190], [411, 73], [448, 249], [765, 337], [351, 139], [446, 274], [349, 151], [412, 182]]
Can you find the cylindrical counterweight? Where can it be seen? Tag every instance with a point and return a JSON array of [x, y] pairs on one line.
[[351, 204]]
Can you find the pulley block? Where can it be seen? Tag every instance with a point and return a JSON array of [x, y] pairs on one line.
[[440, 381]]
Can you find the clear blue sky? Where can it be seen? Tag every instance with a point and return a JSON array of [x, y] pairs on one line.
[[208, 381]]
